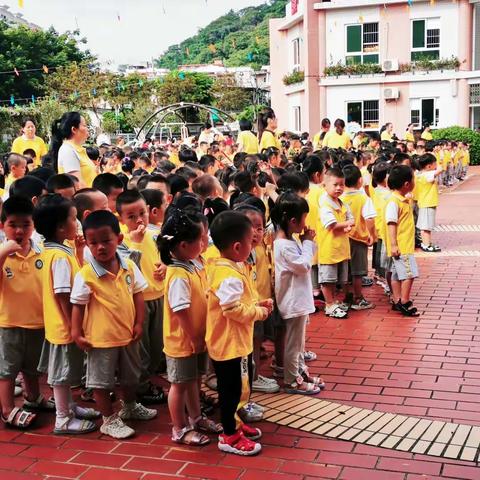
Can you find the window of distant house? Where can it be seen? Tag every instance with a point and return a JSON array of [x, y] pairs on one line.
[[424, 110], [296, 54], [365, 113], [426, 39], [362, 43]]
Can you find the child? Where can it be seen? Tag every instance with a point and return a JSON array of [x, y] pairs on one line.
[[62, 184], [293, 288], [88, 200], [133, 212], [110, 328], [427, 199], [185, 312], [55, 219], [111, 186], [232, 311], [32, 161], [400, 238], [247, 140], [157, 205], [336, 221], [17, 167], [21, 336], [361, 235]]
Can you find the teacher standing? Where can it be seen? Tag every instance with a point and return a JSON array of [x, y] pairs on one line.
[[29, 141]]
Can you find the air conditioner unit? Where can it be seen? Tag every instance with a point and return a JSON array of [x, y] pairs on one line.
[[391, 93], [390, 65]]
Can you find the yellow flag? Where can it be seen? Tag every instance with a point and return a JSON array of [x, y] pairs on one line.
[[45, 69], [212, 48], [257, 39], [20, 3], [187, 51]]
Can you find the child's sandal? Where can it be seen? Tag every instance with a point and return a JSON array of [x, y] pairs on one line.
[[407, 310], [41, 404], [318, 381], [300, 387], [188, 436], [19, 418], [206, 425]]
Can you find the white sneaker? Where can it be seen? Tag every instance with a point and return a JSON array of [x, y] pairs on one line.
[[256, 407], [136, 411], [114, 427], [267, 380], [260, 385]]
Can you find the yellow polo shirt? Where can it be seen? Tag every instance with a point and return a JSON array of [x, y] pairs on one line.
[[380, 198], [21, 290], [386, 137], [399, 210], [110, 313], [149, 257], [466, 158], [362, 210], [334, 140], [269, 139], [334, 246], [249, 142], [409, 137], [426, 136], [184, 290], [232, 310], [313, 197], [426, 189], [20, 144], [59, 270], [87, 167]]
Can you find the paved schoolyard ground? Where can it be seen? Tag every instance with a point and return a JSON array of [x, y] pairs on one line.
[[421, 367]]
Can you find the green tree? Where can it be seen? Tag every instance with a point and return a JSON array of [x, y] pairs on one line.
[[185, 87], [228, 96], [23, 48]]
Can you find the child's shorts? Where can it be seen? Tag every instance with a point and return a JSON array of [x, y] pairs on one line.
[[186, 369], [404, 267], [106, 364], [335, 273], [63, 364], [385, 260], [359, 259], [426, 218], [20, 350], [277, 320]]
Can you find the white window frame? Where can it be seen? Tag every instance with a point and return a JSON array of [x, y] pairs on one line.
[[296, 55], [362, 102], [416, 104], [297, 118], [362, 53], [436, 26]]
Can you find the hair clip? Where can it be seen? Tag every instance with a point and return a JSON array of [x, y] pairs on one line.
[[167, 237]]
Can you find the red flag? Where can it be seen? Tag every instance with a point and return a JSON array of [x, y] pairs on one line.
[[294, 7]]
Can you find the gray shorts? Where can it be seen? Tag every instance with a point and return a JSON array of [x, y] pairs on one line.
[[404, 267], [335, 273], [385, 260], [186, 369], [104, 365], [63, 363], [359, 259], [20, 350], [426, 218]]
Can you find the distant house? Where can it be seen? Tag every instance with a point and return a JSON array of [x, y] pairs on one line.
[[15, 18]]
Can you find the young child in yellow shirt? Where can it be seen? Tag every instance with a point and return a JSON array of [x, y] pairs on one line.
[[232, 310], [427, 199], [55, 218], [21, 334], [185, 316], [134, 214], [107, 321], [400, 238], [17, 167]]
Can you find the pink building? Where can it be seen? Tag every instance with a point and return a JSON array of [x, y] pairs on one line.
[[420, 62]]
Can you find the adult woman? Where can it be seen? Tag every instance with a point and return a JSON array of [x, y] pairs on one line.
[[339, 138], [386, 134], [267, 124], [68, 136], [426, 134], [409, 136], [28, 140]]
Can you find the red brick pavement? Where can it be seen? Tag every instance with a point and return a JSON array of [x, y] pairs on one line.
[[427, 366]]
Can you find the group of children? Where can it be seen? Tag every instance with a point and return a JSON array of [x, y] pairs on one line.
[[185, 270]]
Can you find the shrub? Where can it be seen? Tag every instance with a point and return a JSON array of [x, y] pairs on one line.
[[294, 77], [461, 134], [353, 69]]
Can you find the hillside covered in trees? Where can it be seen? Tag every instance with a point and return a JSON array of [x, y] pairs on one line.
[[237, 38]]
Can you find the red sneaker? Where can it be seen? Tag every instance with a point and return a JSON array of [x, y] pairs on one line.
[[250, 432], [238, 444]]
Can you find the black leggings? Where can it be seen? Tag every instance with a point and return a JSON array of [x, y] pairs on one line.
[[229, 384]]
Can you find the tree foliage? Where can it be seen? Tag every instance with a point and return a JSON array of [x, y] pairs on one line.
[[23, 48], [461, 134], [228, 96], [237, 38], [185, 87]]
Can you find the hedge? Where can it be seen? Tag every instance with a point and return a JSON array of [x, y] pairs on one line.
[[461, 134]]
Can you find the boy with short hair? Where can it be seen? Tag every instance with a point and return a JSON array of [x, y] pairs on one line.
[[361, 235], [111, 186], [55, 219], [157, 205], [336, 221], [134, 214], [17, 166], [21, 336], [88, 200], [110, 328], [427, 199], [400, 238], [232, 311], [62, 184]]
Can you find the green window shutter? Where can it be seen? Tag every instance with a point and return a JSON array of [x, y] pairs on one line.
[[354, 38], [370, 59], [418, 34], [353, 60]]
